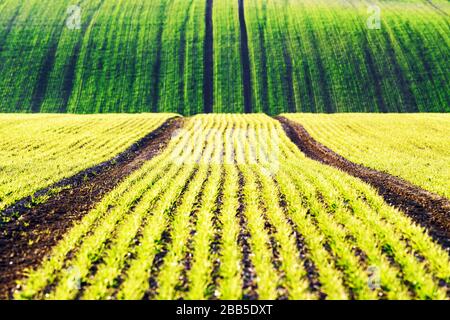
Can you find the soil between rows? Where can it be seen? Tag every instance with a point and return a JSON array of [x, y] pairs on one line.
[[25, 242], [429, 210], [208, 59]]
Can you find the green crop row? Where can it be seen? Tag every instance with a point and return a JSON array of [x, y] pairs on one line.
[[233, 209]]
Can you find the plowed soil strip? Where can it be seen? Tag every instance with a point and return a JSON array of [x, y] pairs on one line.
[[250, 286], [429, 210], [156, 72], [25, 241], [404, 85], [208, 60], [69, 73], [182, 56], [10, 25], [245, 57]]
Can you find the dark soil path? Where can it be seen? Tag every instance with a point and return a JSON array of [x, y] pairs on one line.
[[245, 60], [392, 59], [156, 69], [182, 58], [208, 60], [427, 209], [9, 26], [25, 241], [70, 70]]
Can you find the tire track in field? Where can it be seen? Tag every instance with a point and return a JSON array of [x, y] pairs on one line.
[[153, 98], [288, 79], [375, 76], [182, 58], [373, 72], [429, 210], [24, 242], [168, 237], [69, 72], [322, 80], [9, 26], [134, 53], [264, 76], [40, 88], [262, 93], [208, 60], [426, 74], [46, 67], [404, 86], [245, 60]]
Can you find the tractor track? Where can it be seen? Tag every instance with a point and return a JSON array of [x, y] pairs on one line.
[[404, 85], [245, 60], [374, 74], [46, 67], [43, 78], [156, 69], [70, 70], [429, 210], [182, 58], [9, 26], [208, 60], [24, 242], [323, 78]]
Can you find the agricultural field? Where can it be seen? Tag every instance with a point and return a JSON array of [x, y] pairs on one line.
[[202, 56], [232, 209], [39, 150], [224, 150], [414, 147]]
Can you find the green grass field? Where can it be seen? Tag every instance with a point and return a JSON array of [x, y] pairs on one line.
[[39, 150], [413, 147], [148, 56]]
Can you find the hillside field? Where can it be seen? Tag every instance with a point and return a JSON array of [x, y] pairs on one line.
[[40, 150], [225, 150]]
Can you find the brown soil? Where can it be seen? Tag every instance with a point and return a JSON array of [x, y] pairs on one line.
[[245, 60], [208, 59], [24, 242], [427, 209], [250, 287], [304, 254]]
